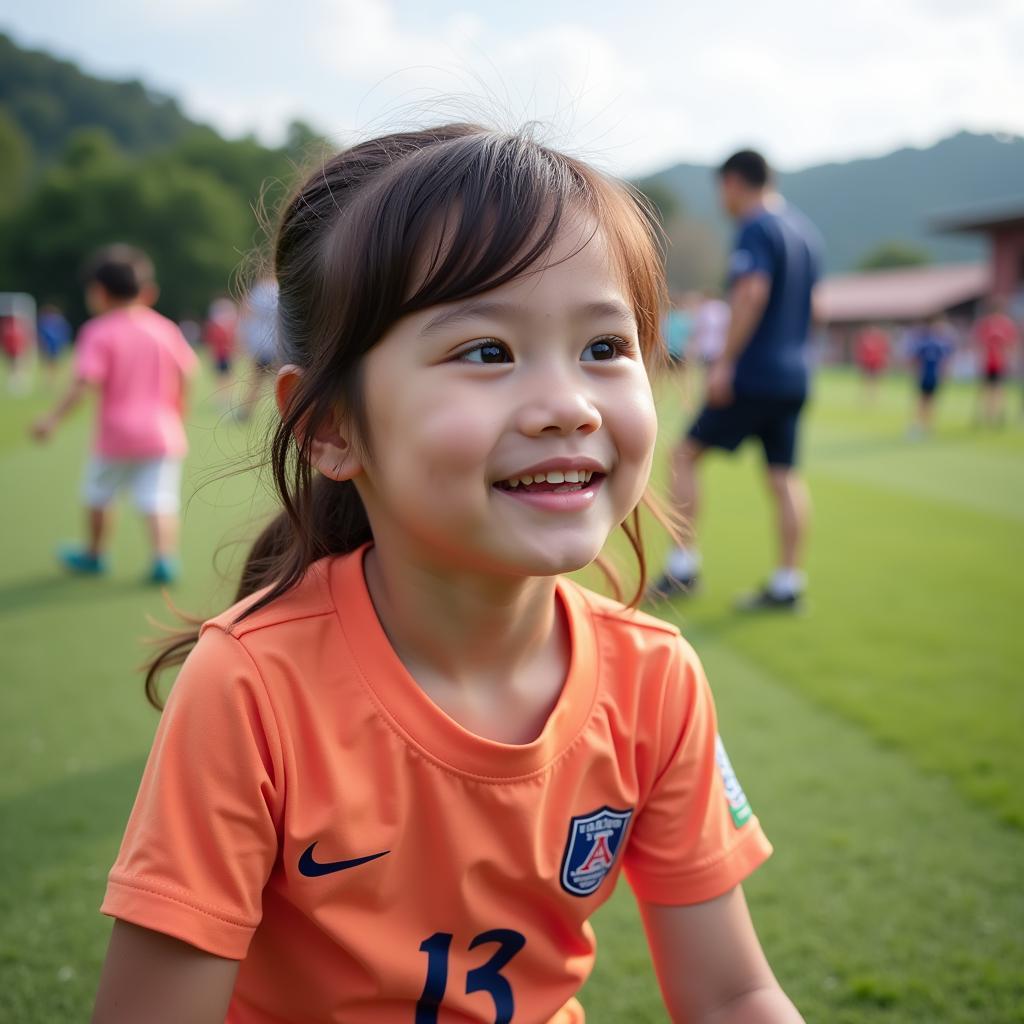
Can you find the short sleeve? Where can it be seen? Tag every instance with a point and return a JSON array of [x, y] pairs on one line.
[[752, 254], [91, 355], [203, 834], [695, 837]]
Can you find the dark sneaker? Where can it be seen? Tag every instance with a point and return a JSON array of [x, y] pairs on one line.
[[165, 570], [79, 561], [766, 600], [668, 586]]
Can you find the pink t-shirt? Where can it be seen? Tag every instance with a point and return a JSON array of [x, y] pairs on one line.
[[139, 359]]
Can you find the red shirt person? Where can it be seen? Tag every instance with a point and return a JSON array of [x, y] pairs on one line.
[[872, 350], [995, 335]]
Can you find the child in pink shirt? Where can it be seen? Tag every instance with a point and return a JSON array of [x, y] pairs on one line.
[[138, 361]]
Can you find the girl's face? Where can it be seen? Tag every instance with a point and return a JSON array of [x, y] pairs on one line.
[[510, 433]]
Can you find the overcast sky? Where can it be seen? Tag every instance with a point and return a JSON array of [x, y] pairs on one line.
[[634, 86]]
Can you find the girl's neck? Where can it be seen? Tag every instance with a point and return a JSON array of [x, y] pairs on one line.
[[468, 630]]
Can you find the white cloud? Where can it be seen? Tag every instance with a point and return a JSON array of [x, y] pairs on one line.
[[633, 86]]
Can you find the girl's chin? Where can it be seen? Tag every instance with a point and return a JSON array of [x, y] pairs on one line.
[[556, 559]]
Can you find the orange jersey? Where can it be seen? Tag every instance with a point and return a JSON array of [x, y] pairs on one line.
[[307, 809]]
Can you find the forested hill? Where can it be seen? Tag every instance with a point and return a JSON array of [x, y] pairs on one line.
[[862, 204], [85, 162], [50, 99]]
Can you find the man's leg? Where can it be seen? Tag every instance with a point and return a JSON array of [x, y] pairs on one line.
[[779, 435], [685, 482], [793, 513], [723, 428], [682, 566]]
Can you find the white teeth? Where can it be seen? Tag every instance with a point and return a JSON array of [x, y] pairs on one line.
[[569, 476]]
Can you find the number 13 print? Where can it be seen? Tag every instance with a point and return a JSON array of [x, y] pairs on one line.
[[485, 978]]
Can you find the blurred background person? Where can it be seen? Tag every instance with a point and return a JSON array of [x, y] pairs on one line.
[[257, 337], [929, 348], [16, 341], [677, 327], [995, 336], [871, 352], [757, 385], [54, 334], [710, 326], [139, 362], [192, 329], [218, 336]]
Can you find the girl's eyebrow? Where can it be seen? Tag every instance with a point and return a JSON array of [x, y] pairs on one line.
[[479, 309]]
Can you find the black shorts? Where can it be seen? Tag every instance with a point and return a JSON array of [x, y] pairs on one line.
[[773, 421], [995, 375]]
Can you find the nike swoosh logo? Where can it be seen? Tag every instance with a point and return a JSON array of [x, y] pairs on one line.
[[313, 869]]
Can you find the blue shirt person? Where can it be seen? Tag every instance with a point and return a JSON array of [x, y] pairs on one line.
[[757, 386], [781, 244]]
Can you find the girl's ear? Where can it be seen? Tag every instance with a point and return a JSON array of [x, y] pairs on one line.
[[332, 451]]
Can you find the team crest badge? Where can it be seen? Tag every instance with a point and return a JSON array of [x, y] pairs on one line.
[[594, 840]]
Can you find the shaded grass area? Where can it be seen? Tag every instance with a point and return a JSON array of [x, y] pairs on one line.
[[877, 736]]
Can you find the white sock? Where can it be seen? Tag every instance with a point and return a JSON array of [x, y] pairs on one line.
[[683, 563], [787, 582]]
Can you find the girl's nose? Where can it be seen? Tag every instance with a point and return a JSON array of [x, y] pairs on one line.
[[559, 411]]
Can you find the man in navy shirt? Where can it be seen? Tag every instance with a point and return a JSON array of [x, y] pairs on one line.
[[758, 385]]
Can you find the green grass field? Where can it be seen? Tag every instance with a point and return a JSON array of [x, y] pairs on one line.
[[879, 736]]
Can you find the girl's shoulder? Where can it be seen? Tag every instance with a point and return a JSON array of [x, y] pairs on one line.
[[642, 636], [309, 598], [612, 614]]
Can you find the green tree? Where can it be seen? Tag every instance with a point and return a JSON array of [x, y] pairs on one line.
[[15, 161], [192, 225], [893, 254]]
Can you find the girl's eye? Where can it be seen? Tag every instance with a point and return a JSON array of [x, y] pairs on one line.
[[605, 348], [489, 351]]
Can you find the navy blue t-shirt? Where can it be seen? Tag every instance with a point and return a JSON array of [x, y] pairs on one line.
[[782, 244], [929, 349]]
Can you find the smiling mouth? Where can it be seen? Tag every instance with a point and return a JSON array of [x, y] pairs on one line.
[[553, 482]]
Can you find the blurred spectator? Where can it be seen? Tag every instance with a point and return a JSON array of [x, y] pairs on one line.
[[16, 344], [995, 336], [54, 333], [929, 347], [219, 339], [257, 333], [710, 326], [677, 328], [871, 352], [192, 329]]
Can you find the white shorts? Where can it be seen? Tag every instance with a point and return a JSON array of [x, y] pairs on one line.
[[155, 483]]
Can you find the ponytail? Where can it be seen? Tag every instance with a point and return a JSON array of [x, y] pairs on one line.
[[321, 517]]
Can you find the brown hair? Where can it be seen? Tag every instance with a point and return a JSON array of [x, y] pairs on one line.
[[122, 270], [392, 226]]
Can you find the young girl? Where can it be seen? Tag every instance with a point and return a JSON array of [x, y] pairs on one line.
[[395, 780]]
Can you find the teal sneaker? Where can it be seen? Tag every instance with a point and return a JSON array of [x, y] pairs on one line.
[[77, 560], [165, 570]]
